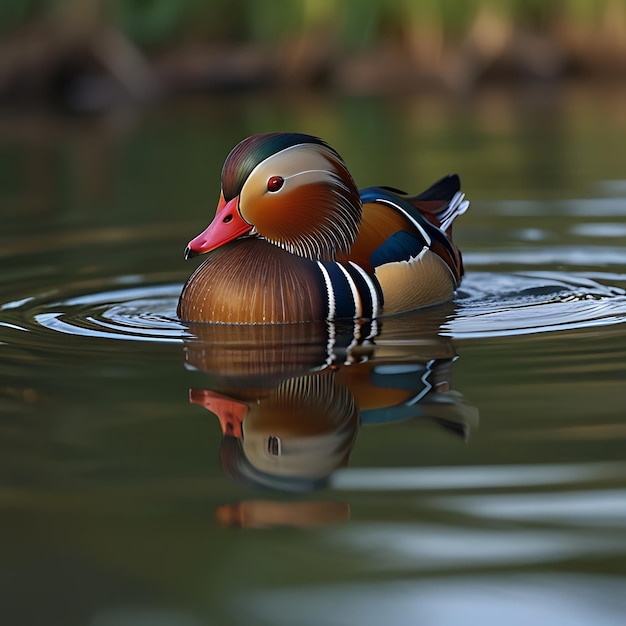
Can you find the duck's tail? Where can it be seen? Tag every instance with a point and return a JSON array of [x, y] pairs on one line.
[[432, 212], [442, 202]]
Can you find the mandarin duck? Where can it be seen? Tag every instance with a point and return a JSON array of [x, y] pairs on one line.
[[294, 240]]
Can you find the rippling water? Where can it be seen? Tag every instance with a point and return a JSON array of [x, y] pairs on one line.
[[464, 463], [488, 305]]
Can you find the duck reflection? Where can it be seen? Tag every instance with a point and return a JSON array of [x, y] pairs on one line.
[[291, 398]]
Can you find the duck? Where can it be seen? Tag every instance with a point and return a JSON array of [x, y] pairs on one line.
[[294, 240]]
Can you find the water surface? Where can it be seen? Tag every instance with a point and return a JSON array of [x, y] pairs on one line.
[[462, 463]]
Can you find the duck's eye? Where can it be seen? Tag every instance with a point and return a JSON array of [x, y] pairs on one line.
[[275, 183], [274, 447], [228, 218]]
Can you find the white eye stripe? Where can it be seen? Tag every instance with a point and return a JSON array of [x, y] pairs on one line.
[[326, 173], [294, 161]]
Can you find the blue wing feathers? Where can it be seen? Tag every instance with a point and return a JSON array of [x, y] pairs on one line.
[[401, 246]]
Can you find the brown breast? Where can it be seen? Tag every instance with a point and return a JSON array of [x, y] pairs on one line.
[[253, 281]]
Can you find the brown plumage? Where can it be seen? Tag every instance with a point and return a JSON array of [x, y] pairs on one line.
[[293, 240], [250, 281]]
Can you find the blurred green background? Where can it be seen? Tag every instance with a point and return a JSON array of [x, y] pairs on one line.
[[90, 54]]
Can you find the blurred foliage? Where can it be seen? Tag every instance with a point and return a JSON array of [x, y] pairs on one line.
[[356, 22], [16, 12], [89, 54]]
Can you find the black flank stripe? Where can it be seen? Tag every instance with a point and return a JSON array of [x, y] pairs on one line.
[[364, 291], [345, 306]]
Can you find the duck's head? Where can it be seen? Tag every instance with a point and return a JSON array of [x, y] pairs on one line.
[[291, 189]]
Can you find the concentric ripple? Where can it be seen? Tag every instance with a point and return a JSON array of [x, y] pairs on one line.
[[488, 305], [146, 313], [496, 305]]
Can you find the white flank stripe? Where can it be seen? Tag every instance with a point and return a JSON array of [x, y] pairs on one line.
[[370, 286], [329, 290]]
